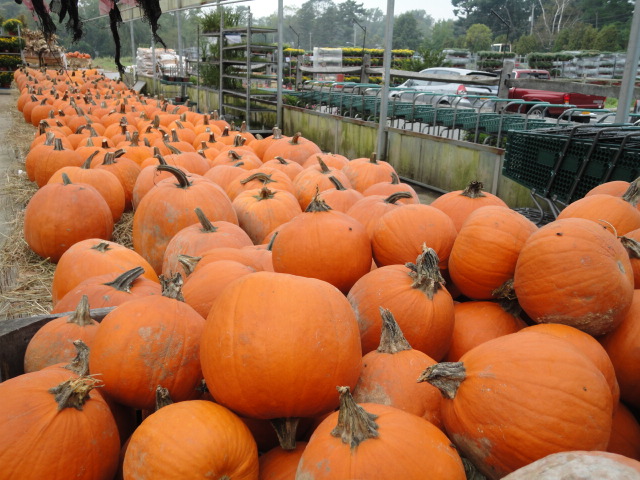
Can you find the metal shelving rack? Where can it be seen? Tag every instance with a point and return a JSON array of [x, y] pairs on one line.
[[242, 69]]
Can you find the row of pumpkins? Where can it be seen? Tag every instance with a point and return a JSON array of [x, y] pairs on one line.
[[343, 329]]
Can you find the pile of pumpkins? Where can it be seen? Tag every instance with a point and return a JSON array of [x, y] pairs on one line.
[[287, 313]]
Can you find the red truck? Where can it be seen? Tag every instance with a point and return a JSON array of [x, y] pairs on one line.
[[582, 101]]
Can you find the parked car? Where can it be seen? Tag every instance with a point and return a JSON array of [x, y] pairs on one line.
[[445, 90], [580, 100]]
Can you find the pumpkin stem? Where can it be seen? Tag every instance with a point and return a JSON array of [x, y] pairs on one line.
[[632, 195], [234, 156], [474, 190], [282, 160], [172, 287], [123, 282], [373, 158], [109, 158], [355, 424], [65, 179], [212, 137], [207, 226], [172, 148], [273, 239], [392, 339], [135, 137], [73, 393], [295, 140], [57, 144], [395, 179], [263, 177], [426, 273], [101, 247], [471, 471], [264, 194], [188, 263], [337, 183], [317, 204], [174, 135], [162, 397], [323, 166], [286, 430], [239, 141], [631, 245], [394, 197], [277, 133], [445, 376], [183, 181], [81, 314], [87, 163], [225, 132], [506, 296], [80, 363]]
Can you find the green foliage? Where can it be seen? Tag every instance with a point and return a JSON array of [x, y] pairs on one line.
[[608, 39], [10, 61], [406, 33], [428, 58], [442, 36], [6, 78], [11, 45], [490, 55], [527, 44], [210, 75], [478, 37], [210, 21]]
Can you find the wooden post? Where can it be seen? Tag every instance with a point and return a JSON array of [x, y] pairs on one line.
[[298, 72], [366, 63], [503, 89]]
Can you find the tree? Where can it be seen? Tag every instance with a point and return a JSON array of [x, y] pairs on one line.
[[478, 37], [442, 36], [527, 44], [406, 33], [516, 14], [608, 39]]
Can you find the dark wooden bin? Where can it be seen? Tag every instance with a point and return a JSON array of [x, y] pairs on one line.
[[16, 333]]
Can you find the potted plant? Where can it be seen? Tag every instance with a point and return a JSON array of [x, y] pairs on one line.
[[11, 26]]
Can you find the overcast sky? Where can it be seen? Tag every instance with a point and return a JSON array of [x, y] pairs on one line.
[[440, 9]]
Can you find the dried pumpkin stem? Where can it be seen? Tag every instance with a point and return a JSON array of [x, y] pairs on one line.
[[507, 299], [264, 194], [80, 363], [263, 177], [337, 183], [474, 190], [445, 376], [73, 393], [81, 316], [163, 398], [317, 204], [471, 471], [172, 287], [395, 179], [355, 424], [123, 282], [188, 263], [631, 245], [426, 272], [286, 430], [183, 181], [392, 339], [207, 226], [632, 195], [394, 197], [101, 247]]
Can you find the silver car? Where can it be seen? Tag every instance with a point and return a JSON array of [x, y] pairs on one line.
[[446, 93]]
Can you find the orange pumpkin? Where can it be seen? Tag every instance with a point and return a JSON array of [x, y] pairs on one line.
[[364, 172]]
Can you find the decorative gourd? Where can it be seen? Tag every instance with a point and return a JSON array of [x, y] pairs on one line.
[[146, 342], [364, 172], [53, 342], [566, 400], [54, 424], [93, 257], [201, 237], [378, 441], [324, 244], [573, 271], [460, 203], [170, 206], [262, 210], [399, 234], [224, 446], [579, 464], [486, 250], [416, 295], [109, 290], [623, 347], [61, 214], [389, 375], [306, 329]]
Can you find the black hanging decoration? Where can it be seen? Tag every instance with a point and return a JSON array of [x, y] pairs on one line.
[[115, 19], [151, 10], [62, 7], [48, 27]]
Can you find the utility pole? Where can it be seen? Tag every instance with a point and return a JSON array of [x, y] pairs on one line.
[[533, 9]]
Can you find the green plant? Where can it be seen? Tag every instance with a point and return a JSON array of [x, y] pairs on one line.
[[210, 22], [5, 78], [11, 26], [10, 61]]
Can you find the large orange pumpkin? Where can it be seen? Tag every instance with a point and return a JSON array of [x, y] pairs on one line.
[[520, 397], [303, 326], [573, 271], [377, 441]]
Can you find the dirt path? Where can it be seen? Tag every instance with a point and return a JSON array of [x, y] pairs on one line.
[[7, 155]]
